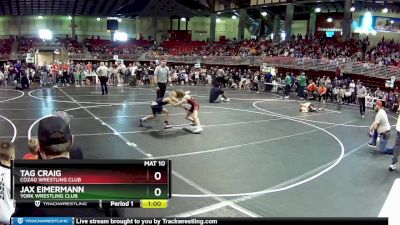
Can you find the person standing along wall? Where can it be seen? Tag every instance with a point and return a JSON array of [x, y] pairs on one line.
[[2, 78], [121, 73], [302, 85], [18, 70], [288, 82], [361, 93], [352, 87]]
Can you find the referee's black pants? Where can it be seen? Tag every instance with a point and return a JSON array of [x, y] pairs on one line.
[[103, 83], [162, 88], [361, 104]]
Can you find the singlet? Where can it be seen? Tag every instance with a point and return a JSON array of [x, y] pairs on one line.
[[192, 102], [160, 102]]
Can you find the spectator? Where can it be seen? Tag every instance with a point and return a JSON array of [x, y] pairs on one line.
[[217, 94], [311, 89], [33, 146], [347, 95], [302, 85], [75, 151], [322, 90], [268, 81], [55, 142], [288, 82], [352, 87], [7, 153], [121, 70], [2, 78], [361, 93]]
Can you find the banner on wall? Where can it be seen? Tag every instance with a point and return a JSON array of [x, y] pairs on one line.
[[378, 24], [390, 83], [29, 58], [265, 68], [386, 24]]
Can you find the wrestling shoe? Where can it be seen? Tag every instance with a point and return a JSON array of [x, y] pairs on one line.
[[392, 167], [167, 126], [227, 100], [371, 145], [223, 99], [198, 129], [362, 116], [286, 97], [141, 122]]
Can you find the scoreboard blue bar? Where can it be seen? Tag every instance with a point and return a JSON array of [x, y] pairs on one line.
[[42, 221]]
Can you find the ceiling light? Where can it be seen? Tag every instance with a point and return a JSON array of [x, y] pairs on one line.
[[352, 9], [234, 17], [329, 20], [318, 9], [183, 19], [264, 13], [385, 10], [119, 20], [40, 17], [98, 19], [218, 20]]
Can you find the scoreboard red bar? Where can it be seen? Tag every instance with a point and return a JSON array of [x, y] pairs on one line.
[[85, 179], [102, 176]]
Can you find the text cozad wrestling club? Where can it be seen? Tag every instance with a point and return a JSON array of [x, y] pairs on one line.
[[46, 176]]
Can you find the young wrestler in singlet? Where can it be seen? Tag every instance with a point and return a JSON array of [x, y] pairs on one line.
[[192, 115], [157, 107]]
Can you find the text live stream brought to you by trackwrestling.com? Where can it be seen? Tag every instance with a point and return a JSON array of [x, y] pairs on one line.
[[197, 221]]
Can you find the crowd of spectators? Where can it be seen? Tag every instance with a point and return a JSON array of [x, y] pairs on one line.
[[386, 52], [26, 45], [73, 46], [294, 47], [106, 47], [5, 46]]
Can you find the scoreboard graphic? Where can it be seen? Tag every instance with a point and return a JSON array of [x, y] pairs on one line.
[[92, 183]]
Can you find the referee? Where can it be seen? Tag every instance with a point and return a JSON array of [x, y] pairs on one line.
[[103, 73], [361, 93], [161, 77]]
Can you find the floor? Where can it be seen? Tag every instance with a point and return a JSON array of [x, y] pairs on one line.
[[257, 156]]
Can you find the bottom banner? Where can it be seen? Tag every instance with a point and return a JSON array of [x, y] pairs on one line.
[[200, 221]]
